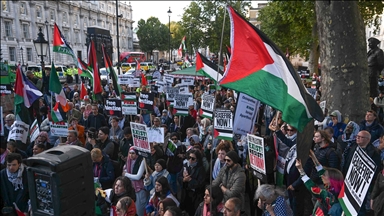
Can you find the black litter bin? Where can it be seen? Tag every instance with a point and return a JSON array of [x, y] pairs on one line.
[[61, 182]]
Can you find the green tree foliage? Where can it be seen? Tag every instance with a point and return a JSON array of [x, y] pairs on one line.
[[153, 35], [203, 21], [289, 23]]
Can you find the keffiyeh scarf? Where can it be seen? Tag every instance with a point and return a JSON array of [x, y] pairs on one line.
[[16, 178]]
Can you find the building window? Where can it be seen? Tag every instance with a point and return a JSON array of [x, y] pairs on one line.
[[29, 54], [26, 31], [38, 12], [8, 28], [52, 15], [12, 53]]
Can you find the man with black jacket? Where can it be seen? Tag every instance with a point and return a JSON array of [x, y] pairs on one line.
[[95, 119]]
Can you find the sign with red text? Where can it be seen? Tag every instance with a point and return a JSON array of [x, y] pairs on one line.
[[256, 153], [140, 137], [59, 129]]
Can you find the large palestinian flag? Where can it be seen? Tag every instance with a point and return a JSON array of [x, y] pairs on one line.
[[259, 69], [111, 72], [208, 68]]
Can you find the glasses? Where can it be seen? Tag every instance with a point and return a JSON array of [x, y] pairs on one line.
[[192, 158], [361, 137], [290, 130], [227, 160]]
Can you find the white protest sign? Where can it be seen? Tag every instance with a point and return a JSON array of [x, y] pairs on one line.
[[357, 181], [140, 137], [125, 79], [155, 134], [160, 86], [34, 131], [59, 129], [223, 124], [188, 81], [256, 153], [19, 131], [135, 83], [168, 79], [184, 89], [247, 109], [171, 93], [207, 106], [323, 105]]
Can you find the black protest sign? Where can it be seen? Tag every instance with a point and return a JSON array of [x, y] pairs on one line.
[[113, 107], [146, 101], [5, 89]]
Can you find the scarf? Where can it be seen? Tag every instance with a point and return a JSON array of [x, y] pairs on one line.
[[16, 178], [355, 131], [291, 157], [216, 168], [293, 137], [132, 167], [206, 211], [3, 156]]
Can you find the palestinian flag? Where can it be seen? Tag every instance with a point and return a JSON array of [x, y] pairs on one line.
[[92, 63], [60, 45], [266, 74], [55, 87], [181, 47], [111, 72], [83, 69], [208, 68], [55, 113]]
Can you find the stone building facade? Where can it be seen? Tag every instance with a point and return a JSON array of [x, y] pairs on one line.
[[20, 22]]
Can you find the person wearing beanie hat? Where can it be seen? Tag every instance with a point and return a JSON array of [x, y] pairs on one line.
[[160, 170], [231, 179]]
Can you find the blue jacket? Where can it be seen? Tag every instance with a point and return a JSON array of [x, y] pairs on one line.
[[375, 129], [338, 129], [107, 172]]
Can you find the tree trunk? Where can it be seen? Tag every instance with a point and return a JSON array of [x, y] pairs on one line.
[[344, 77], [314, 55]]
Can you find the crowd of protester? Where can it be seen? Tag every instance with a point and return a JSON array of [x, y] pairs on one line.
[[204, 175]]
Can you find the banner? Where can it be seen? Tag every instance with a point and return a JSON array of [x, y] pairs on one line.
[[129, 104], [168, 79], [140, 137], [113, 107], [146, 101], [181, 103], [357, 181], [5, 89], [207, 106], [19, 131], [1, 122], [223, 124], [155, 134], [184, 89], [160, 86], [59, 129], [34, 131], [171, 93], [136, 83], [247, 109], [188, 81], [125, 79], [256, 156]]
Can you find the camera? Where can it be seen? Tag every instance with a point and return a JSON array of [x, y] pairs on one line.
[[92, 135]]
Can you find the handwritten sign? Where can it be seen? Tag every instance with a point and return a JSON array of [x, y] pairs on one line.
[[155, 134], [19, 131], [256, 153], [140, 137]]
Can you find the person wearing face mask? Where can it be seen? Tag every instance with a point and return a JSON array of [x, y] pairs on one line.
[[192, 179]]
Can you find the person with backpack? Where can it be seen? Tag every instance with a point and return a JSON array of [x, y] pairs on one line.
[[324, 153]]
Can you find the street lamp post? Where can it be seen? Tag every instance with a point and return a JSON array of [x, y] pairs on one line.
[[22, 58], [169, 36], [49, 50], [118, 36], [41, 46]]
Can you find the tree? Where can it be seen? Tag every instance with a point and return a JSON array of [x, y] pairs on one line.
[[152, 35], [344, 62]]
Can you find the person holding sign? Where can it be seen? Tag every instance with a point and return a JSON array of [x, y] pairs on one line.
[[327, 199]]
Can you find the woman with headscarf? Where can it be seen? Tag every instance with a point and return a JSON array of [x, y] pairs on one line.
[[348, 139], [162, 191], [160, 170], [125, 207], [215, 200]]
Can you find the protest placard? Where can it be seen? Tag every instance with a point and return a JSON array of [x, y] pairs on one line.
[[323, 105], [207, 106], [136, 83], [188, 81], [154, 89], [34, 131], [155, 134], [19, 131], [140, 137], [113, 107], [357, 181], [146, 101], [59, 129], [171, 93], [223, 124], [160, 86], [247, 109], [129, 104], [183, 89], [6, 89], [256, 155], [1, 122], [168, 79], [125, 79], [181, 103]]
